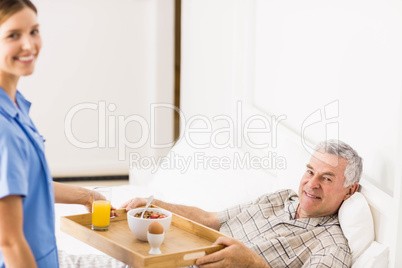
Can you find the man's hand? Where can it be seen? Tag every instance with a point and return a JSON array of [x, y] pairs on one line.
[[236, 254], [134, 203]]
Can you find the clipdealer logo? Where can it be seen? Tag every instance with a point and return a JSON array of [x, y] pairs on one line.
[[256, 132], [201, 160], [327, 120]]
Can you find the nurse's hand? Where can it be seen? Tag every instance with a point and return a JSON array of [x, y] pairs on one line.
[[70, 194], [88, 203]]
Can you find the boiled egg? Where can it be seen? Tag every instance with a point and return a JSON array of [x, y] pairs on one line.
[[155, 228]]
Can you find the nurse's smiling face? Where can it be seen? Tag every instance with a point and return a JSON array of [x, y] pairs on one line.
[[321, 190], [20, 44]]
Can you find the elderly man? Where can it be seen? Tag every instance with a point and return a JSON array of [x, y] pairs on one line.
[[284, 229]]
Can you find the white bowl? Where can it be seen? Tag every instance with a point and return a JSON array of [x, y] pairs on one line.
[[139, 227]]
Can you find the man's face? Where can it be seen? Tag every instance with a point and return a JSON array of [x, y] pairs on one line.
[[321, 189]]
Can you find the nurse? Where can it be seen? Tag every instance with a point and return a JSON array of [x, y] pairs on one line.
[[27, 191]]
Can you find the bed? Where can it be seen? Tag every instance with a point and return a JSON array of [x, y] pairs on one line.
[[363, 217]]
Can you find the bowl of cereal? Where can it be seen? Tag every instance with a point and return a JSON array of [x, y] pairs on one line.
[[139, 226]]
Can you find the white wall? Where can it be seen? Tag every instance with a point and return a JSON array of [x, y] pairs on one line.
[[207, 49], [114, 59], [311, 54], [332, 68]]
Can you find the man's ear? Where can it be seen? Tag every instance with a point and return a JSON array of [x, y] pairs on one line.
[[351, 190]]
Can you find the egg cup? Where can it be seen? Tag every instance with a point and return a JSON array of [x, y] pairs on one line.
[[155, 240]]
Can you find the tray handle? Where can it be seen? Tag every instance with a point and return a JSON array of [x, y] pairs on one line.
[[194, 255]]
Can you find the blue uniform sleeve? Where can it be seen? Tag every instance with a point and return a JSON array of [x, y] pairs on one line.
[[13, 159]]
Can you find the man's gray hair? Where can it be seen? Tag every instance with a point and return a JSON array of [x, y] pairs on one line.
[[353, 170]]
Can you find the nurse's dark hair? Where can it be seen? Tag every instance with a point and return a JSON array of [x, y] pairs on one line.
[[10, 7]]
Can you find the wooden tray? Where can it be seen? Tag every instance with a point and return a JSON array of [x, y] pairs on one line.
[[185, 241]]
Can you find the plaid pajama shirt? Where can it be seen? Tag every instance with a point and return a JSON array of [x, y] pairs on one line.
[[268, 227]]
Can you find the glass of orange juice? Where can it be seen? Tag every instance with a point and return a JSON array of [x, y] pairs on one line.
[[101, 208]]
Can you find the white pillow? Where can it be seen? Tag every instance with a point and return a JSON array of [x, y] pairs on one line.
[[376, 256], [357, 224]]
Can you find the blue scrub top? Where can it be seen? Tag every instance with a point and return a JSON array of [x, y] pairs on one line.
[[24, 172]]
